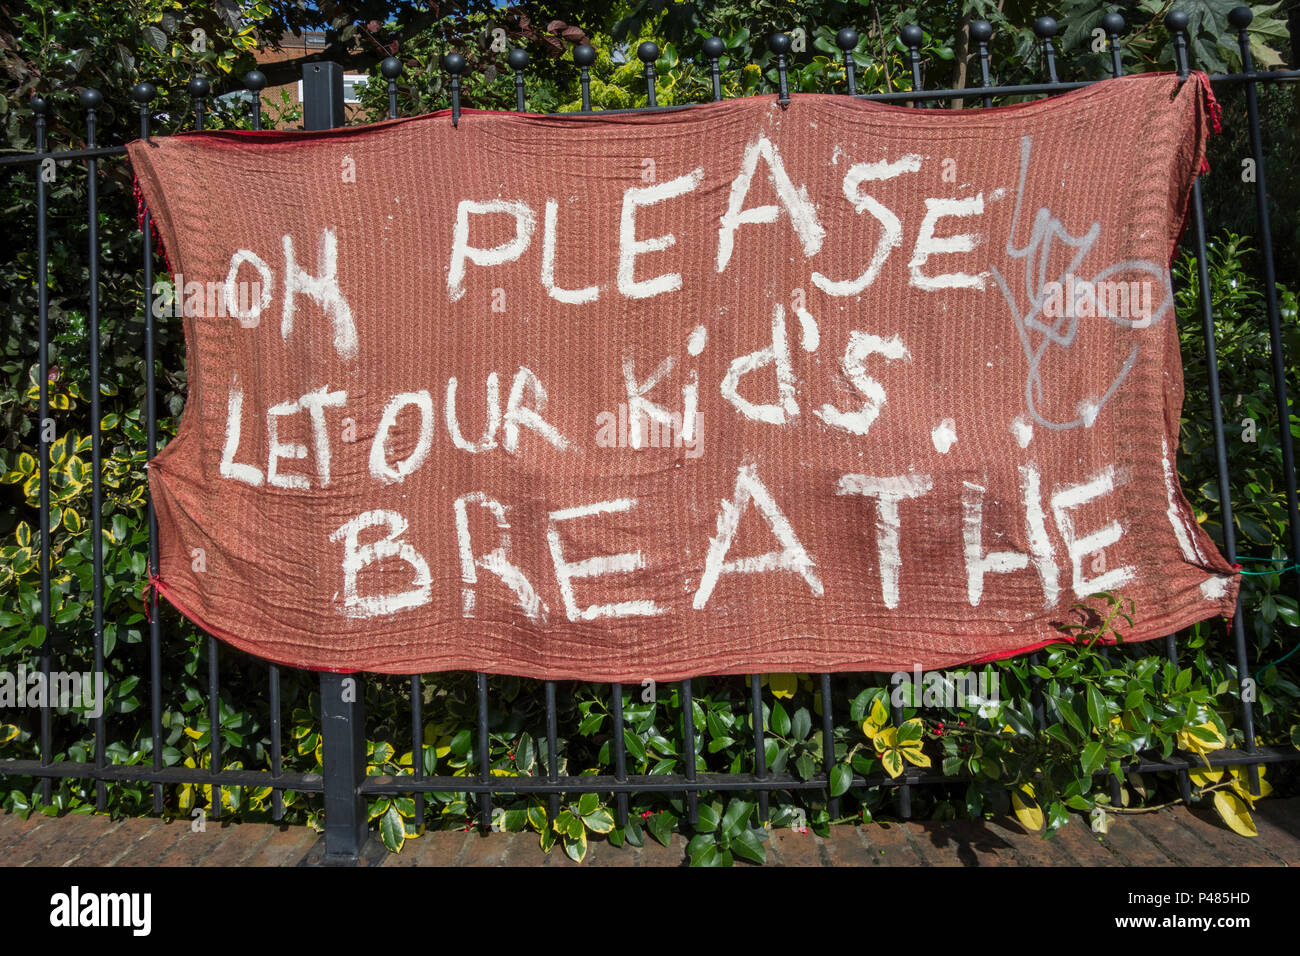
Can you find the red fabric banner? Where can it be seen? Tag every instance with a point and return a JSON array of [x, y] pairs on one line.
[[733, 388]]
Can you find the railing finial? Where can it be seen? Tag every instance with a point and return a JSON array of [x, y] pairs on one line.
[[913, 36], [1176, 23], [647, 53], [847, 41], [391, 68], [779, 43], [143, 93], [981, 31], [584, 55], [254, 82], [199, 88], [713, 49], [1114, 24], [1240, 19], [518, 60], [454, 63], [1045, 28]]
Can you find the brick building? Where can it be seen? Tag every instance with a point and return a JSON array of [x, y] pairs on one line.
[[295, 48]]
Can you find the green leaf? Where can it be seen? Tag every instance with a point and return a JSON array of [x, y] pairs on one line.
[[801, 724], [704, 853], [709, 819], [392, 830], [737, 815], [1094, 755], [576, 846], [633, 744], [893, 762], [780, 720], [569, 824], [911, 730], [599, 820], [841, 778], [805, 766], [525, 754], [1097, 711], [749, 846], [738, 38], [1071, 717], [660, 826]]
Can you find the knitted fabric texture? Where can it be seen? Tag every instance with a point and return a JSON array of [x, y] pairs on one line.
[[731, 388]]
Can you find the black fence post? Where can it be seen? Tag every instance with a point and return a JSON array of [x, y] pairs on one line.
[[342, 696], [322, 95], [343, 720]]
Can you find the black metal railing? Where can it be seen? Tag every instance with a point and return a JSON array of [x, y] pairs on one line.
[[344, 784]]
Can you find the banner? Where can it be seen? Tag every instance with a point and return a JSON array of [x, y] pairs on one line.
[[731, 388]]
